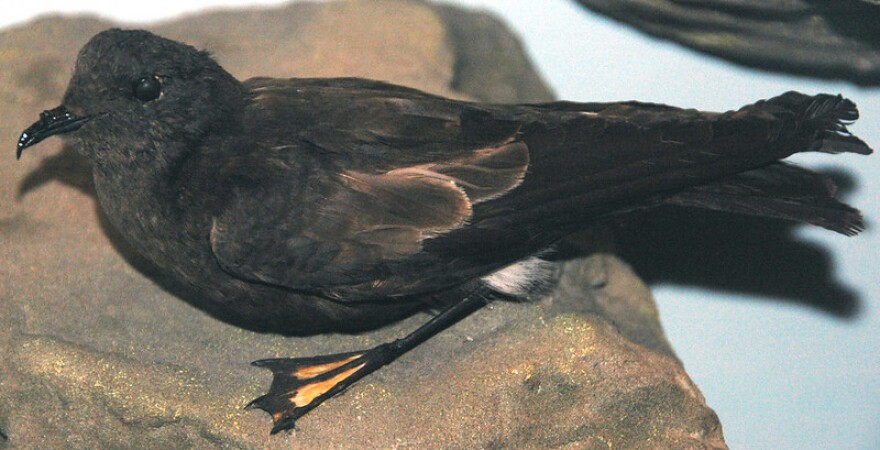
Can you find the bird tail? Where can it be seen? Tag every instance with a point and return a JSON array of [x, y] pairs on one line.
[[785, 191], [821, 118], [780, 191], [723, 162]]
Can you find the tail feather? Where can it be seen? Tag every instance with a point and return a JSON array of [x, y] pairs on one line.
[[783, 191], [618, 158], [824, 118], [780, 191]]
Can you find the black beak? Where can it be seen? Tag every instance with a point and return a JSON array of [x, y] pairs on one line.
[[52, 122]]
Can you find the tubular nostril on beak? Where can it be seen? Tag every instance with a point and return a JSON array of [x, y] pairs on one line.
[[52, 122]]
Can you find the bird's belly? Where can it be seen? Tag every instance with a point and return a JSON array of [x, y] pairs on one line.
[[179, 247]]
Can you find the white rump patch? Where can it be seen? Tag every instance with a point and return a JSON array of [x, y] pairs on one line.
[[521, 278]]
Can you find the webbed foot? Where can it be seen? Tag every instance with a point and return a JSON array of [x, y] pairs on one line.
[[301, 384]]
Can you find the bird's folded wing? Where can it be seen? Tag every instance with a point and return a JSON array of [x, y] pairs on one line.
[[387, 172], [379, 191]]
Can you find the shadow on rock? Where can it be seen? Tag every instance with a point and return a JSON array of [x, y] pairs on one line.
[[735, 253], [67, 167]]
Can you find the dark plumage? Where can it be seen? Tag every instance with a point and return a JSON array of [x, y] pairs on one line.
[[302, 206]]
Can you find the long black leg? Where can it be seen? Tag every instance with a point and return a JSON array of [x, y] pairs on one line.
[[301, 384]]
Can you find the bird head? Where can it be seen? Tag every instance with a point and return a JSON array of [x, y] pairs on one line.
[[137, 96]]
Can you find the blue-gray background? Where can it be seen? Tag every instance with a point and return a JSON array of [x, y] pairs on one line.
[[779, 375]]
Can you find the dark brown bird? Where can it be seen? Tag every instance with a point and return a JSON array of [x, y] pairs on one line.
[[303, 206]]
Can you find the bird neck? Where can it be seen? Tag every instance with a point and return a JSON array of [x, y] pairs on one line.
[[151, 207]]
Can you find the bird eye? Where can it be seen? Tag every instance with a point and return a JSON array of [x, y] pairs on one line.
[[147, 89]]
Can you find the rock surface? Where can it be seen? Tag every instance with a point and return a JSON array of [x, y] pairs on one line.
[[98, 355], [838, 39]]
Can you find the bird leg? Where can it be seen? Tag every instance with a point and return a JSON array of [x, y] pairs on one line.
[[301, 384]]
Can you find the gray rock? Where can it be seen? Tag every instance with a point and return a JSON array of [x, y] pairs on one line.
[[837, 39], [98, 355]]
